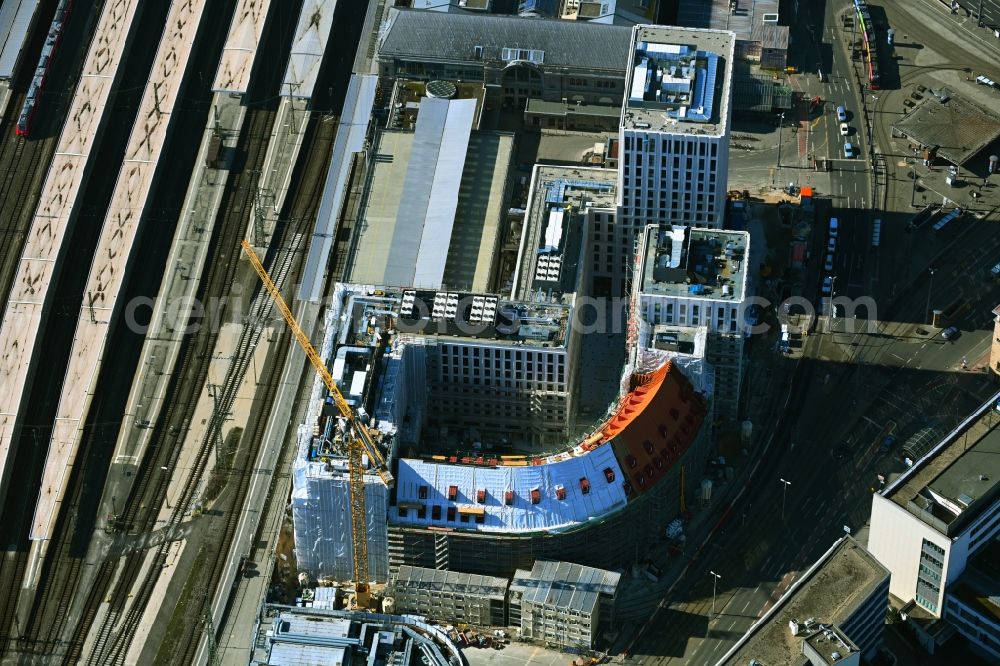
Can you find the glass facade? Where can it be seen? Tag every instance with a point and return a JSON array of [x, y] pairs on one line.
[[928, 592]]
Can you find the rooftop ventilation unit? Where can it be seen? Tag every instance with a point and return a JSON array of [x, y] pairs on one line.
[[770, 18], [442, 89]]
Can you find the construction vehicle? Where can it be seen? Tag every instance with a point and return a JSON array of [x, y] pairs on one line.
[[356, 434]]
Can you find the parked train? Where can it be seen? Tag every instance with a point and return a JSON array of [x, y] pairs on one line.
[[37, 85]]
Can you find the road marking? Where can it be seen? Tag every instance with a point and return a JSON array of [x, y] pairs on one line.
[[746, 605], [763, 567]]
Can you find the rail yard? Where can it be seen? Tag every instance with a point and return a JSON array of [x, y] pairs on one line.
[[135, 158], [412, 332]]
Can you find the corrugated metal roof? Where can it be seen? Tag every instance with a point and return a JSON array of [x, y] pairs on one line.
[[15, 19], [564, 585], [770, 35], [491, 587], [438, 36], [430, 193], [349, 140]]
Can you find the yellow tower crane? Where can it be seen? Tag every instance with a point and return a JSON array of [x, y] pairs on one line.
[[359, 439]]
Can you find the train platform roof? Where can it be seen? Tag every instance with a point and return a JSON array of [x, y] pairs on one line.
[[15, 20], [350, 139], [121, 224], [22, 318], [240, 50], [308, 46], [956, 128]]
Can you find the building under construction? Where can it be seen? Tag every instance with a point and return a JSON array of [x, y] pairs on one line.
[[601, 503], [473, 396]]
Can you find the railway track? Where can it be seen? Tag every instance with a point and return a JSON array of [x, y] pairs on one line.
[[286, 265], [113, 635], [20, 162], [12, 567], [239, 480]]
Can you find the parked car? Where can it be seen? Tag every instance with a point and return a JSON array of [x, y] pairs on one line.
[[848, 150], [827, 285], [844, 129], [888, 442], [828, 263], [834, 227], [951, 333], [831, 245]]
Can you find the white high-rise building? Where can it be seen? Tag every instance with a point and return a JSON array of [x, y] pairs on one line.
[[674, 132], [698, 278], [933, 522]]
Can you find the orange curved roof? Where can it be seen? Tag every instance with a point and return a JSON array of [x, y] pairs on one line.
[[636, 401], [654, 425]]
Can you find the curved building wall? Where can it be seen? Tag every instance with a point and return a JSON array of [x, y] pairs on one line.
[[659, 419]]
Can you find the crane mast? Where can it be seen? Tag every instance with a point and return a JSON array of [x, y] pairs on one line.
[[355, 433]]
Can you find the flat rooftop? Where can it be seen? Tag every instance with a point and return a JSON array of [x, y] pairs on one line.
[[830, 645], [616, 12], [958, 481], [294, 636], [407, 94], [716, 15], [957, 128], [483, 317], [688, 340], [679, 80], [828, 592], [687, 262], [554, 231]]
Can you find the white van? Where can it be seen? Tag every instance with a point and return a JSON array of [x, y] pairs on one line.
[[841, 114], [834, 226]]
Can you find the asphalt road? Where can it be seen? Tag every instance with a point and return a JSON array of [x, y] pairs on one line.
[[851, 388]]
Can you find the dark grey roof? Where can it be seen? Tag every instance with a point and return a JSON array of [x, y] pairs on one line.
[[435, 36], [564, 585], [958, 128]]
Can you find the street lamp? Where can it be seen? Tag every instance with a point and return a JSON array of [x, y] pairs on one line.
[[781, 121], [784, 491], [715, 579], [930, 288]]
